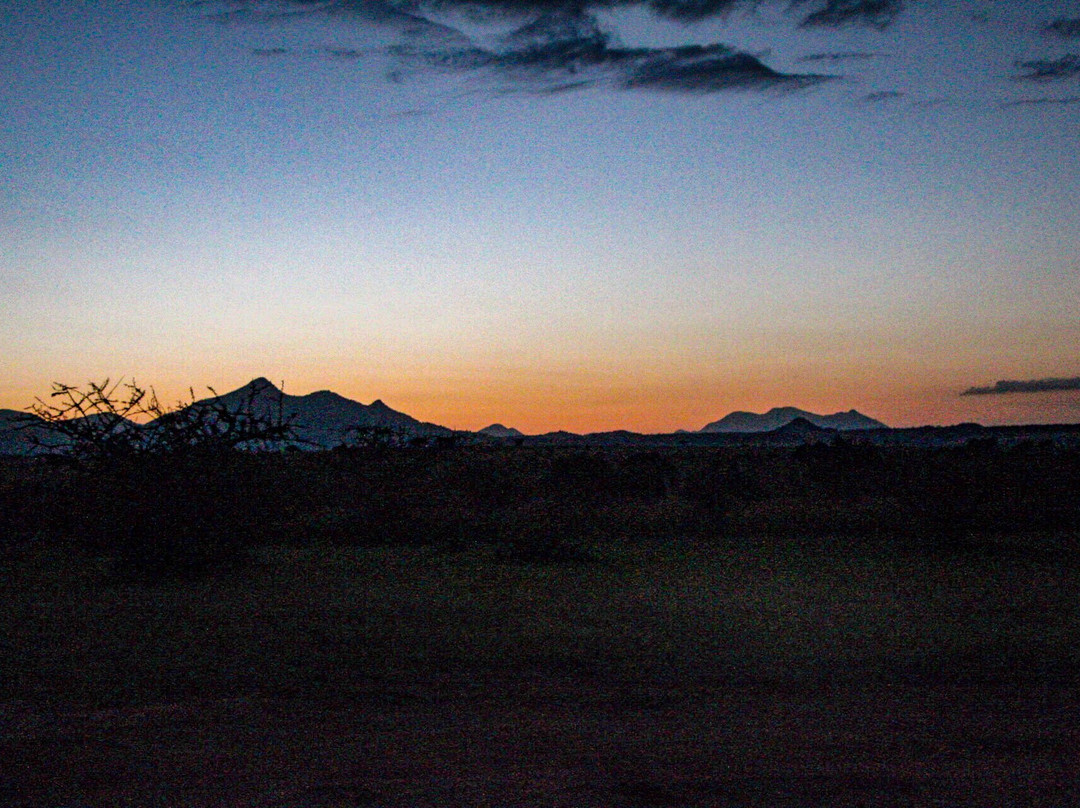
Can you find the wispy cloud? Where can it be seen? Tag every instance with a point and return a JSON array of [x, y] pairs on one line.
[[825, 14], [707, 69], [529, 46], [1064, 67], [550, 46], [838, 13], [1027, 386]]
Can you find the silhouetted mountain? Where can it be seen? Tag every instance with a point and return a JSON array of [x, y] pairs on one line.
[[323, 419], [500, 431], [779, 416], [800, 426], [797, 432]]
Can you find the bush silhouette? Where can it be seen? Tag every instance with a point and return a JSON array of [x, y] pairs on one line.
[[172, 494]]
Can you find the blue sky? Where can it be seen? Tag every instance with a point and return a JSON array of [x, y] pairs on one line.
[[548, 215]]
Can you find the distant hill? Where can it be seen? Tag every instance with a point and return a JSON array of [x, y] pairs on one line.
[[797, 432], [324, 419], [801, 426], [781, 416], [500, 431]]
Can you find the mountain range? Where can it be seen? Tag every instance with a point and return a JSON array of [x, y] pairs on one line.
[[325, 419], [781, 416], [320, 420]]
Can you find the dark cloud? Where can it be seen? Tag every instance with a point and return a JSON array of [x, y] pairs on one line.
[[1067, 27], [693, 10], [1029, 386], [556, 27], [838, 13], [588, 59], [1064, 67], [553, 45], [827, 14], [708, 69]]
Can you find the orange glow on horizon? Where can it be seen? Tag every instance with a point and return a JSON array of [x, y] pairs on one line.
[[582, 401]]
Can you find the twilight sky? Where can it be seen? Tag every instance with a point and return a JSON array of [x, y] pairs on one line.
[[550, 214]]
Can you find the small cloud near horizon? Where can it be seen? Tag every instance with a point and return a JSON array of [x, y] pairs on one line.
[[1025, 386]]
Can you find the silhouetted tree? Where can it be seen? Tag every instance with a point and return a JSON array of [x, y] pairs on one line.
[[164, 492], [105, 420]]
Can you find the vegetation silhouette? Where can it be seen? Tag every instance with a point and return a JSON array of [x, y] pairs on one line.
[[846, 606], [164, 492], [192, 490]]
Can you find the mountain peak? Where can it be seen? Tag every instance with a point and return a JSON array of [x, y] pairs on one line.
[[800, 425], [324, 418], [324, 396], [260, 384], [500, 431]]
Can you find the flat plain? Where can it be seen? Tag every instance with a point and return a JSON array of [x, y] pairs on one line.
[[405, 678]]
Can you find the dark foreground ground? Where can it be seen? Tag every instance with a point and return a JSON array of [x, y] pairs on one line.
[[563, 740], [405, 677]]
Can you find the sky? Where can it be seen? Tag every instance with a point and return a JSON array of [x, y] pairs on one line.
[[554, 215]]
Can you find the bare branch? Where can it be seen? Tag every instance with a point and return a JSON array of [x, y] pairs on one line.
[[102, 421]]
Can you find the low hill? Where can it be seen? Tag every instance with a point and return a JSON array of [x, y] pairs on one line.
[[781, 416], [500, 431]]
